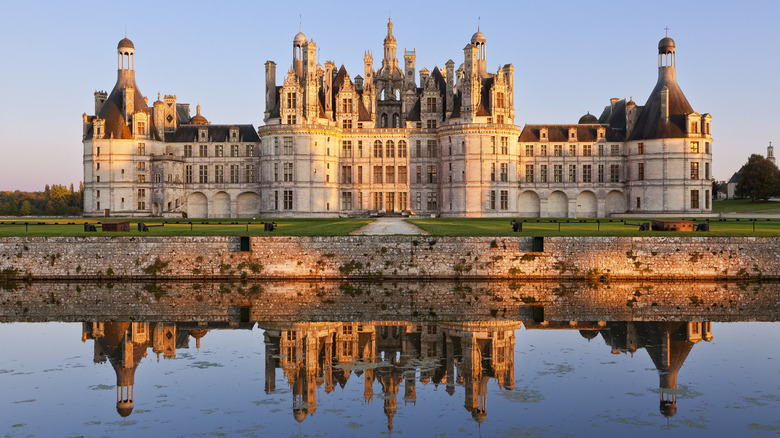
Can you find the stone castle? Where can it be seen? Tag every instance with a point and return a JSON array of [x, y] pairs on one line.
[[382, 143]]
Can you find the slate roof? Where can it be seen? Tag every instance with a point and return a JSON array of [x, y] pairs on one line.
[[649, 124], [111, 112], [189, 133]]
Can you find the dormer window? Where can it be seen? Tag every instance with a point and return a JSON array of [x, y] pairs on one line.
[[695, 128], [202, 135]]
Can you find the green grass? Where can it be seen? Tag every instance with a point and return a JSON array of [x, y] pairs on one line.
[[228, 227], [745, 206], [586, 227]]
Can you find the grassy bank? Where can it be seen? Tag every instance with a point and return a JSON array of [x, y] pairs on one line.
[[196, 227], [745, 206]]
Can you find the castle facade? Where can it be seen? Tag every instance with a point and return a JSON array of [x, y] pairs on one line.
[[448, 145]]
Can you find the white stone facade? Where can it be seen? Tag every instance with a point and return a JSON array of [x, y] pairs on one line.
[[336, 146]]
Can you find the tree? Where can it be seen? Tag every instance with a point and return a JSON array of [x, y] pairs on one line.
[[760, 179]]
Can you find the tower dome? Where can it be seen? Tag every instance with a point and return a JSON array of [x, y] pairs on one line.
[[587, 118], [666, 45], [300, 39], [125, 43], [198, 119], [478, 37]]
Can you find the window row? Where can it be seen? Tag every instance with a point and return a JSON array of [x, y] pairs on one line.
[[219, 174], [573, 150], [218, 150], [543, 175]]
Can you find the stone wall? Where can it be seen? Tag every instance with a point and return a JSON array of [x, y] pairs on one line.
[[390, 257], [388, 301]]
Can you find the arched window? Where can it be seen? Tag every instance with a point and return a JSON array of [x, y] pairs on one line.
[[390, 149], [396, 120], [377, 149], [402, 149], [383, 123]]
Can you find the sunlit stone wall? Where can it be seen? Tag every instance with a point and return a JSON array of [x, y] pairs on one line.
[[388, 257]]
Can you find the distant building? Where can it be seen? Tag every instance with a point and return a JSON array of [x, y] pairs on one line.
[[382, 143]]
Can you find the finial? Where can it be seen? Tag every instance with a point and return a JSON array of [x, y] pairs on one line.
[[125, 31], [478, 20], [158, 95], [300, 22], [667, 30], [198, 108]]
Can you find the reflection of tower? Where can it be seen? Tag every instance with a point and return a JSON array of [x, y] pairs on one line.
[[667, 343]]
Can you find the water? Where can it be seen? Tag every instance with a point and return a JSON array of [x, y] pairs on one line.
[[488, 375]]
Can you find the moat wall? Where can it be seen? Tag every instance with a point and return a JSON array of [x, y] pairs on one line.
[[389, 257]]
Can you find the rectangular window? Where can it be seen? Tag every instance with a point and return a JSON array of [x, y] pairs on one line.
[[572, 150], [432, 175], [142, 165], [291, 99], [377, 174], [360, 148], [141, 205], [614, 150], [432, 149], [419, 174], [694, 199], [418, 149], [418, 201], [431, 104], [250, 150], [141, 193], [587, 150], [276, 200], [558, 173], [542, 173], [638, 202], [250, 173], [360, 174], [492, 199], [504, 200], [430, 124], [432, 201], [402, 149], [572, 173], [390, 175], [706, 199], [377, 149], [601, 150], [504, 172], [234, 173], [360, 201], [218, 151], [234, 150], [188, 174], [276, 145], [492, 171], [601, 173], [504, 145], [640, 148], [346, 124], [203, 150], [276, 172], [614, 173], [346, 174], [695, 170], [288, 146], [141, 149], [402, 201], [694, 147], [287, 170], [587, 173], [390, 201], [390, 149], [187, 150], [346, 105], [558, 150], [492, 144], [141, 178], [346, 200], [346, 148], [707, 171], [402, 177], [640, 171], [706, 147], [377, 201], [529, 150], [219, 174], [203, 174], [288, 200]]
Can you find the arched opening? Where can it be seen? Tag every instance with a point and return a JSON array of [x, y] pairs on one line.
[[615, 202], [397, 94], [197, 205], [558, 204], [155, 209], [586, 204], [221, 205], [528, 204], [248, 204], [396, 120], [383, 123]]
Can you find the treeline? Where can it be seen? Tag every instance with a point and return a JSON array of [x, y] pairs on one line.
[[55, 200]]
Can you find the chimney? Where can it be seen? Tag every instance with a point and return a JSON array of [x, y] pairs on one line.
[[665, 104]]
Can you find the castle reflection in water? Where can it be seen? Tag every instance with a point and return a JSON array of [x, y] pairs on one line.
[[312, 355]]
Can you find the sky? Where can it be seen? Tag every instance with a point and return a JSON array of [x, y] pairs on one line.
[[570, 57]]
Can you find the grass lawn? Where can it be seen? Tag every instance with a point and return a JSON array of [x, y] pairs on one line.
[[745, 206], [199, 227], [587, 227]]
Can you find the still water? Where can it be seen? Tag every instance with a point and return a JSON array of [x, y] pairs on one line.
[[130, 375]]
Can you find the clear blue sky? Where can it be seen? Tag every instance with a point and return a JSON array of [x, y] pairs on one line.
[[570, 57]]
